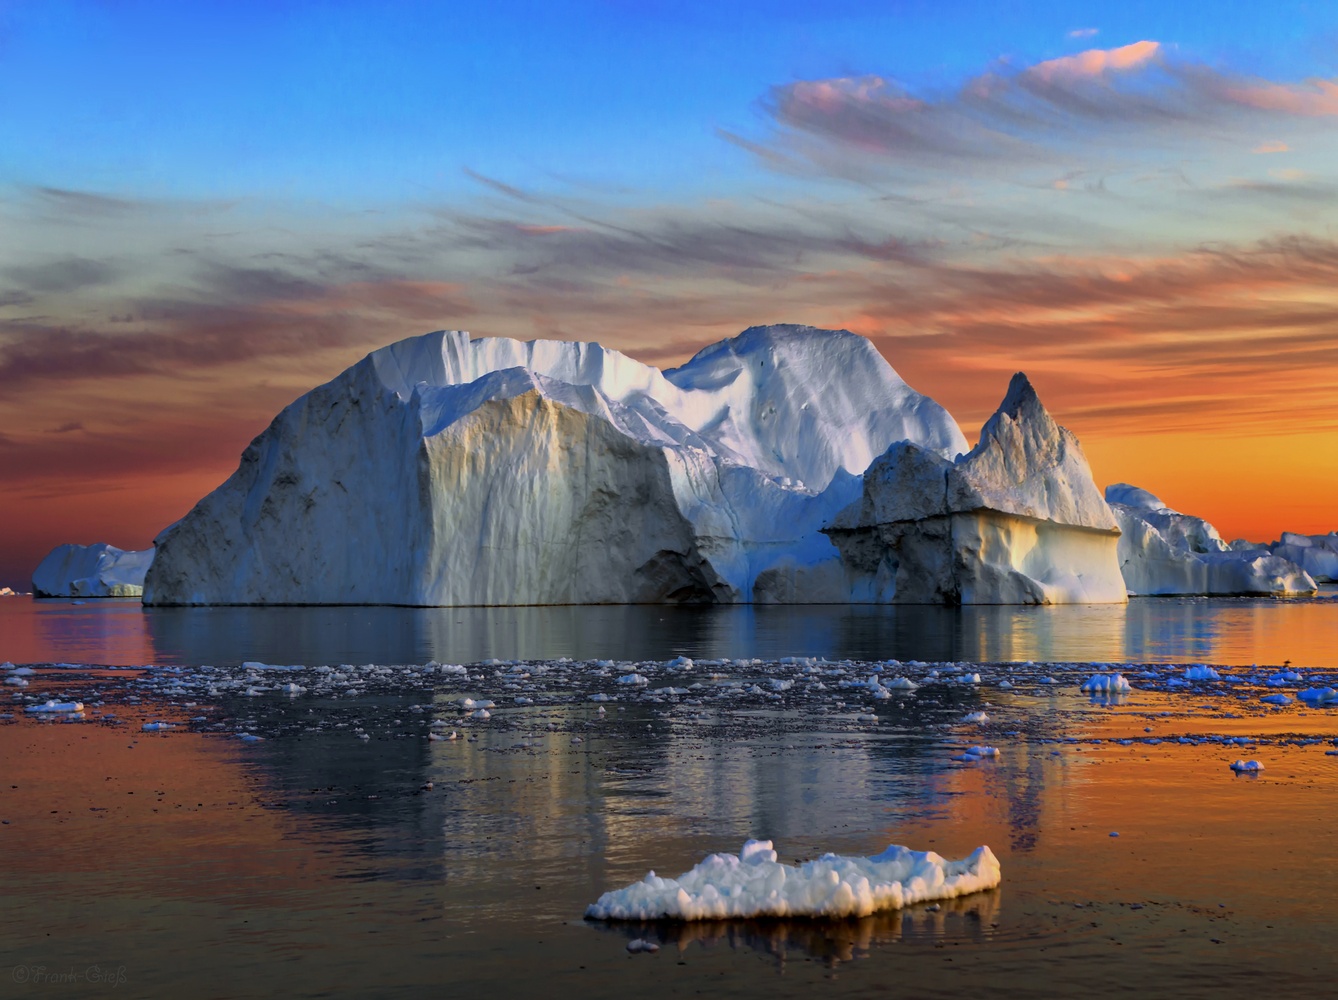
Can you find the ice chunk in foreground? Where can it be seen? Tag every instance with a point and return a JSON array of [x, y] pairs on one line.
[[57, 706], [754, 884], [1246, 766]]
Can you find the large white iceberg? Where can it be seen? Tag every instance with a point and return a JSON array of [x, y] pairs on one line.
[[754, 884], [1017, 520], [97, 570], [444, 470], [1164, 552]]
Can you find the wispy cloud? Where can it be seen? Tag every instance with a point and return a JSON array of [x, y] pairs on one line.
[[849, 125]]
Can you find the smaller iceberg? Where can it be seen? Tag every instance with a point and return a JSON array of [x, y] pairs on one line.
[[1164, 552], [1316, 554], [98, 570], [754, 884]]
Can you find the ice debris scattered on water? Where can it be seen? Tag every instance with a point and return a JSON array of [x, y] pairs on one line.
[[754, 884], [1106, 684]]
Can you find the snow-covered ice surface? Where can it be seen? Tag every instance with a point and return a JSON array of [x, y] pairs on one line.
[[753, 883]]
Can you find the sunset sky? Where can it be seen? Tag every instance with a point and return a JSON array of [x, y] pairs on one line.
[[208, 208]]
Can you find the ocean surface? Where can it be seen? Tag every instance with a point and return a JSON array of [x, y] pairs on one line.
[[1152, 630], [307, 832]]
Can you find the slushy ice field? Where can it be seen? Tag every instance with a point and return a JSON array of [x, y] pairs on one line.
[[389, 829]]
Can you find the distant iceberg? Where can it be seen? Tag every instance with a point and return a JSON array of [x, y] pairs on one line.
[[1316, 554], [97, 570], [1164, 552]]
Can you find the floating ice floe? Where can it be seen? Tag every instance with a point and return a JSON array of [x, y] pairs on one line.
[[1246, 766], [155, 727], [1200, 672], [979, 718], [634, 680], [1106, 684], [1276, 699], [973, 754], [57, 707], [1318, 696], [754, 884]]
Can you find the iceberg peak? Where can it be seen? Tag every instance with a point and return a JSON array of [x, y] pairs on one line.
[[1025, 463]]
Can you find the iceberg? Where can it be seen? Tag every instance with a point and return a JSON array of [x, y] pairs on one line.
[[97, 570], [1316, 554], [1017, 520], [754, 884], [447, 470], [1165, 552]]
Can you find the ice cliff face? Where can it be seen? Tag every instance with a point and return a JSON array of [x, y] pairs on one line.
[[97, 570], [1017, 520], [443, 470], [1164, 552]]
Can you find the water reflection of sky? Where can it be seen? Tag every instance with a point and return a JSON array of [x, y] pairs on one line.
[[317, 844], [1231, 631]]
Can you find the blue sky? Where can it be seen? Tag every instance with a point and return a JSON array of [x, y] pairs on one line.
[[208, 208], [362, 104]]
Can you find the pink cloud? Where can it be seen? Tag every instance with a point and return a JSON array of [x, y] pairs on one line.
[[1096, 62], [1312, 99]]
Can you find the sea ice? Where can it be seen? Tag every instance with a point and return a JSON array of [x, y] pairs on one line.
[[1246, 766], [754, 884], [1318, 696], [1105, 684], [56, 707]]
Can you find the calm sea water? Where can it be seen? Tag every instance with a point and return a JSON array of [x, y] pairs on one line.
[[348, 854], [1149, 630]]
